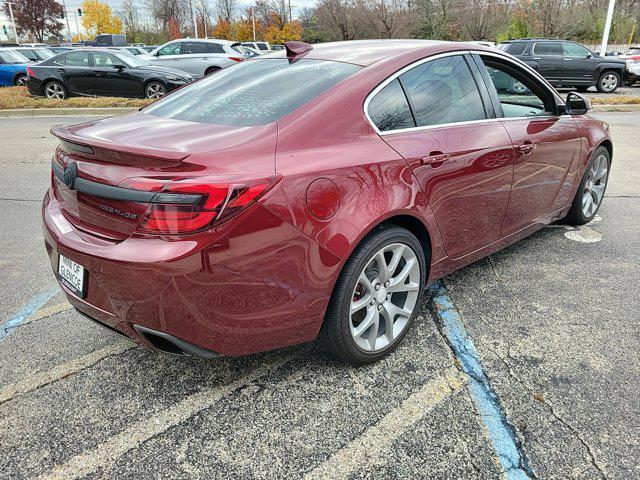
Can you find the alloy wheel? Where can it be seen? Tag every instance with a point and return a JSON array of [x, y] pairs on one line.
[[54, 90], [384, 297], [21, 81], [609, 82], [156, 90], [594, 186]]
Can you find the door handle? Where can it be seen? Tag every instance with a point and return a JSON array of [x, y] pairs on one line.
[[567, 59], [537, 58], [526, 148], [435, 159]]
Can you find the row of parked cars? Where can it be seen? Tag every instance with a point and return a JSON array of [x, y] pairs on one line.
[[127, 71]]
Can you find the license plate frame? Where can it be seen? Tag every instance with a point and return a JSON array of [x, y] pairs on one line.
[[72, 275]]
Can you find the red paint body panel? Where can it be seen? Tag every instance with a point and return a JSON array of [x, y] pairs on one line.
[[263, 278]]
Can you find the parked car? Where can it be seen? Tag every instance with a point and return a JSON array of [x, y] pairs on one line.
[[57, 50], [632, 59], [35, 54], [198, 57], [13, 68], [111, 40], [568, 64], [102, 72], [134, 50], [313, 193], [262, 47], [34, 45], [277, 47], [249, 52], [150, 48]]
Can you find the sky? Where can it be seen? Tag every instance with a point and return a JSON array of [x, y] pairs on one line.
[[73, 5]]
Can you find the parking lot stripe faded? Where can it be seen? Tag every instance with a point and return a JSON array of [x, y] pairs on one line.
[[514, 463], [38, 380], [365, 451], [33, 305], [114, 447]]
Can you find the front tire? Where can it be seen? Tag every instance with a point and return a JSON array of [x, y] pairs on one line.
[[21, 80], [608, 82], [376, 297], [590, 194], [155, 90]]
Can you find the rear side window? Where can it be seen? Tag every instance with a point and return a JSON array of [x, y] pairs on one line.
[[77, 59], [214, 48], [443, 91], [517, 48], [389, 109], [254, 92], [262, 46], [547, 48]]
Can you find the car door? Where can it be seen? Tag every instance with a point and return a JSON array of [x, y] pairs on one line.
[[169, 55], [111, 81], [546, 144], [462, 160], [196, 58], [74, 69], [548, 56], [578, 65]]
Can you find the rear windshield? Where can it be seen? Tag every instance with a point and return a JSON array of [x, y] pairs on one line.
[[254, 92], [513, 48]]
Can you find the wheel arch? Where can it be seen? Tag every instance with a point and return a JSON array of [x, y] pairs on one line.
[[608, 144], [19, 73]]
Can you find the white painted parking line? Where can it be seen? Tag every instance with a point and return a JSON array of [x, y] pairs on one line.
[[38, 380], [365, 451], [47, 312], [114, 447]]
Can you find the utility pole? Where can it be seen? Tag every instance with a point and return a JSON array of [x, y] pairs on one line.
[[607, 28], [66, 16], [195, 22], [253, 24], [77, 26], [290, 19], [13, 20]]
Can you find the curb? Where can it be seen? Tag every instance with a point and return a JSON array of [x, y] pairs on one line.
[[616, 108], [55, 112]]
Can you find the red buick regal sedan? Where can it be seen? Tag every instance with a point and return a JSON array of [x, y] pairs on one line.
[[313, 194]]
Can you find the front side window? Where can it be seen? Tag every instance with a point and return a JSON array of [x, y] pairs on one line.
[[574, 50], [548, 48], [512, 88], [389, 109], [254, 92], [77, 59], [171, 49], [101, 59], [443, 91]]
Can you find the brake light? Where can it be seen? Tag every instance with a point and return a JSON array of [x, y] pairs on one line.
[[236, 59], [192, 205], [30, 72]]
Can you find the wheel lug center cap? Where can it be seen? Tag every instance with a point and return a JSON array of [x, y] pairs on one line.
[[381, 295]]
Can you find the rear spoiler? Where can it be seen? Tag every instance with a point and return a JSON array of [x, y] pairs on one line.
[[108, 149]]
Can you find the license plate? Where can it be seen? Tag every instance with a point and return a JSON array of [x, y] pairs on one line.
[[72, 275]]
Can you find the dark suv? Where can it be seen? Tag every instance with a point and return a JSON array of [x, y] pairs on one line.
[[568, 64]]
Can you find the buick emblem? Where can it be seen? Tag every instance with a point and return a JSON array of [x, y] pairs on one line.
[[69, 175]]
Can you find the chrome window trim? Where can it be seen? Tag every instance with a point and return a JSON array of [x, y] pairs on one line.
[[417, 63]]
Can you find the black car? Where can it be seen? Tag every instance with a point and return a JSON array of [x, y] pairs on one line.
[[94, 72], [568, 64]]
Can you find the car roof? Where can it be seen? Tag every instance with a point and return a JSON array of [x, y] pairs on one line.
[[206, 40], [366, 52]]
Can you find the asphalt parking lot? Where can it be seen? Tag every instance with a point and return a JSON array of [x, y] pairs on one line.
[[553, 321]]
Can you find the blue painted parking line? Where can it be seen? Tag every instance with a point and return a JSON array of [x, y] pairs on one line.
[[513, 460], [33, 305]]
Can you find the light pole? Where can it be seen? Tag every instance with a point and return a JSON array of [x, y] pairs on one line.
[[607, 28], [13, 21], [66, 16], [195, 22]]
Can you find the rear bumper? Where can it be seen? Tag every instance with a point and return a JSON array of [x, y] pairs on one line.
[[253, 284]]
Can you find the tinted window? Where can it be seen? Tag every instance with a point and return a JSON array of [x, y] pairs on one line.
[[254, 92], [77, 59], [171, 49], [443, 91], [389, 109], [516, 98], [514, 48], [213, 48], [574, 50], [547, 48], [30, 54], [262, 46], [193, 47]]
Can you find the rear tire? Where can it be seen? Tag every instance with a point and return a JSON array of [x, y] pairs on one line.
[[608, 82], [55, 91], [21, 80], [590, 193], [385, 298]]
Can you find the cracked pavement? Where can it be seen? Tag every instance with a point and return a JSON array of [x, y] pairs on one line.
[[554, 321]]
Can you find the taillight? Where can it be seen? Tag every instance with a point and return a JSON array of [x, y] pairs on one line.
[[30, 72], [192, 205], [236, 59]]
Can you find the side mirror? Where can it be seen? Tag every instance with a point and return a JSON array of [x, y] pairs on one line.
[[589, 54], [577, 104]]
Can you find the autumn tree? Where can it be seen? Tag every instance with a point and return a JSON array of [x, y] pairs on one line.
[[98, 18], [40, 18], [222, 30], [289, 31], [174, 28]]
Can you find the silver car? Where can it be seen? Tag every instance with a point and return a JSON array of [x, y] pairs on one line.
[[197, 56]]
